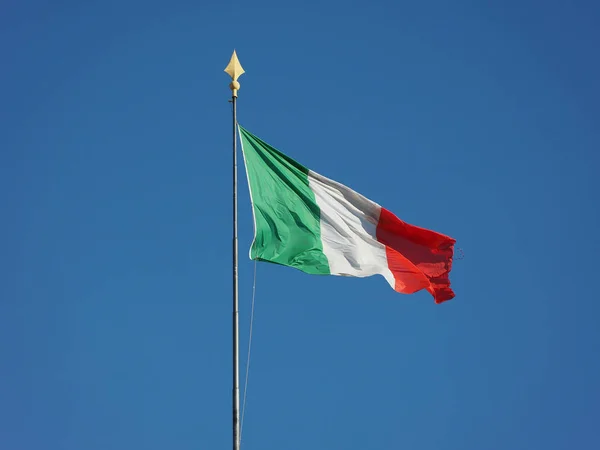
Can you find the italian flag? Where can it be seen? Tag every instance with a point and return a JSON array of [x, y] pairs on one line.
[[307, 221]]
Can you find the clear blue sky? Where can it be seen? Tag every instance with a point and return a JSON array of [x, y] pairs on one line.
[[480, 122]]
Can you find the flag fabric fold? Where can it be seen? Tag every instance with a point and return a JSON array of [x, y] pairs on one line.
[[317, 225]]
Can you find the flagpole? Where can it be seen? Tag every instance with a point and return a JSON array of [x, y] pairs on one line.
[[234, 69]]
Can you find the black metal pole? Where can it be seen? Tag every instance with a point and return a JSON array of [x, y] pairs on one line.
[[236, 350]]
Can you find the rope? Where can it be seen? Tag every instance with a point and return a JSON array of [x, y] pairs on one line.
[[248, 356]]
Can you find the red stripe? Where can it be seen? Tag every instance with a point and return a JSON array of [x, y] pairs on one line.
[[418, 258]]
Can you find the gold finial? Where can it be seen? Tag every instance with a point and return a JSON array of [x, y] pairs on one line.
[[235, 70]]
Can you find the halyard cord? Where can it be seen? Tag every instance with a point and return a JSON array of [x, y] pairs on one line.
[[249, 340], [248, 356]]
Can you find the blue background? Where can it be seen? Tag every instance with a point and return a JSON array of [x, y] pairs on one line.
[[480, 121]]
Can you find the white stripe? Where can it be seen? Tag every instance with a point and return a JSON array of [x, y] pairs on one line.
[[348, 230]]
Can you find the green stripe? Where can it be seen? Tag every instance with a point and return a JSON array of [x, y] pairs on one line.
[[286, 215]]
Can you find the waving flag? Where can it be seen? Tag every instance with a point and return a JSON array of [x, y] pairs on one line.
[[307, 221]]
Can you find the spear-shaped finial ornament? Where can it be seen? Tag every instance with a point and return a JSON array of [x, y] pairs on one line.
[[234, 69]]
